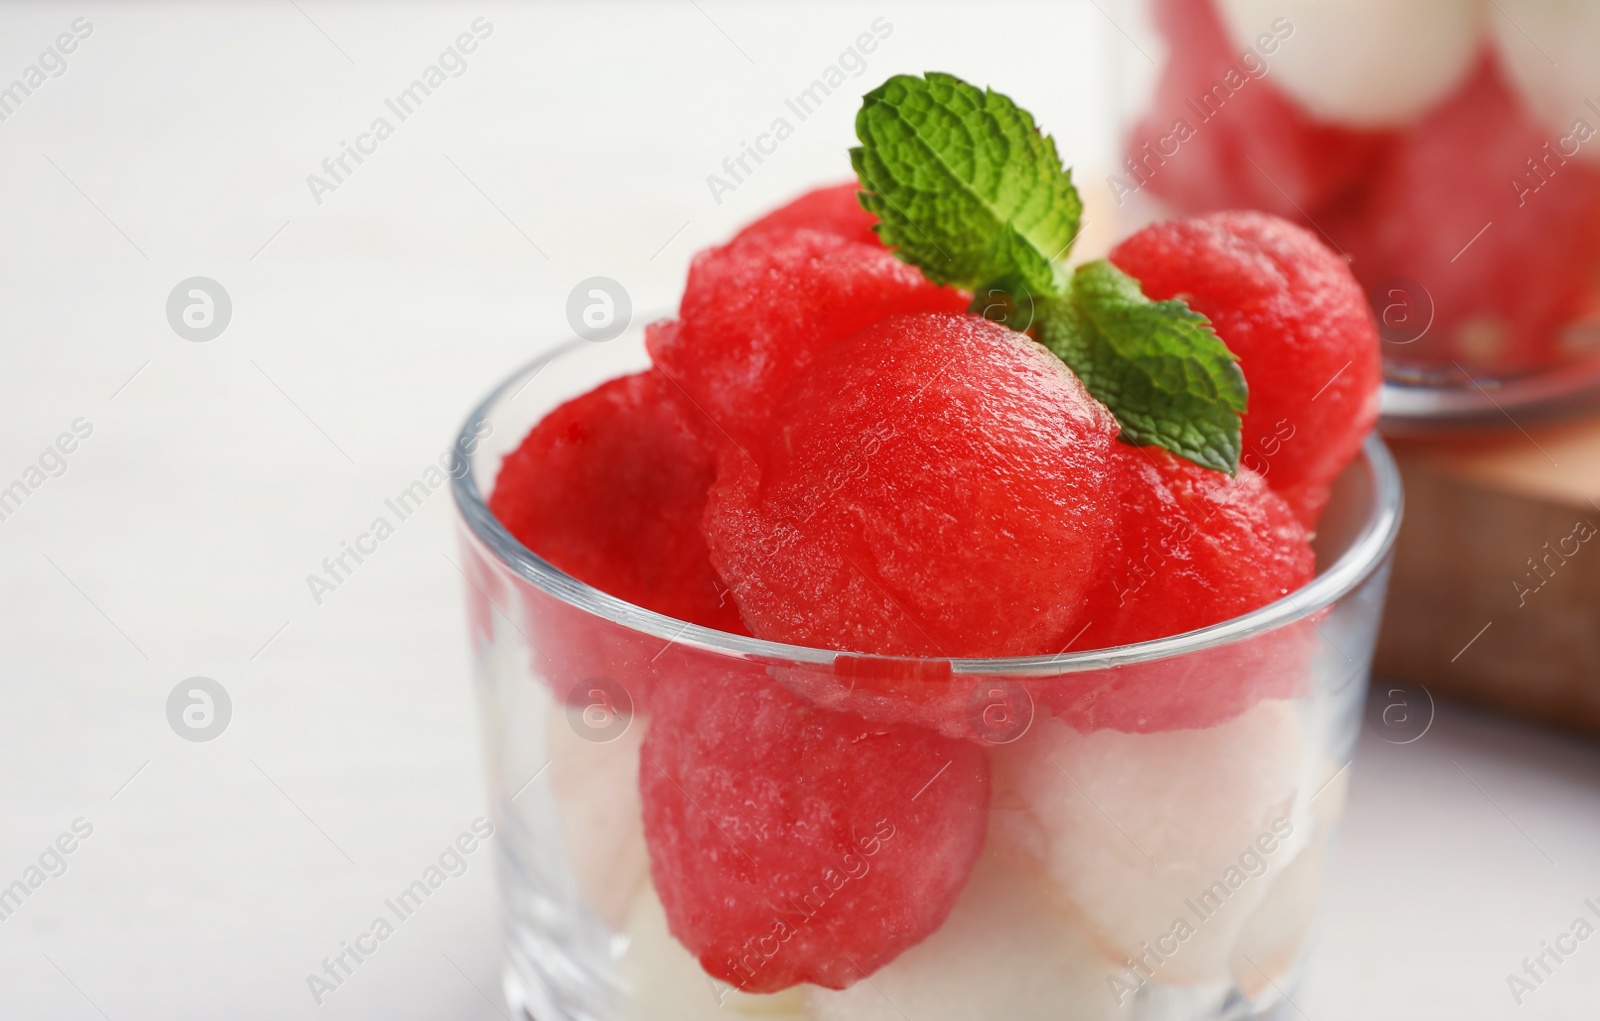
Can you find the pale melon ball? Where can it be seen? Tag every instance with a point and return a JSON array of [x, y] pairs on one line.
[[1007, 952], [1551, 50], [665, 983], [1362, 63], [1166, 840], [596, 790], [1327, 787], [1275, 934]]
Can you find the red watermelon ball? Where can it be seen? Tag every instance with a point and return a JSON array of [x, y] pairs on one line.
[[936, 490], [832, 210], [1192, 548], [1291, 310], [1195, 691], [1479, 258], [986, 710], [610, 487], [795, 844], [1221, 135], [758, 310]]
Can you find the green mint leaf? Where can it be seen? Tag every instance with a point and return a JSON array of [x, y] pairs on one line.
[[1008, 301], [969, 190], [966, 186], [1158, 365]]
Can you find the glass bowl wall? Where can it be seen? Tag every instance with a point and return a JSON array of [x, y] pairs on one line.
[[1158, 815]]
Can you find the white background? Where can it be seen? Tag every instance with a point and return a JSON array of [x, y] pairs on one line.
[[219, 474]]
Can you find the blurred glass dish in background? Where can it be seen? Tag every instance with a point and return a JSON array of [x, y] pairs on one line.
[[1449, 148]]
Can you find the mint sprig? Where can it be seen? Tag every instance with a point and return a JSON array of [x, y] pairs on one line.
[[965, 185], [1158, 365], [969, 190]]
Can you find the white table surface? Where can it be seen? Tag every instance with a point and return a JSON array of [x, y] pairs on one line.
[[218, 475]]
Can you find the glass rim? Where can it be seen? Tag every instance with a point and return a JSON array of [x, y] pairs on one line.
[[1466, 401], [1366, 552]]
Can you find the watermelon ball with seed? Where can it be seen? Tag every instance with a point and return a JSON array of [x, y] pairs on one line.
[[1288, 306], [758, 310], [935, 490], [832, 210], [794, 844]]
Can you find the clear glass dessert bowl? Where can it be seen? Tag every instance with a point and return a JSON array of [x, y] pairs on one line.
[[1158, 814]]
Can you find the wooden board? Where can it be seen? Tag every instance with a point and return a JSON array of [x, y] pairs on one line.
[[1496, 588]]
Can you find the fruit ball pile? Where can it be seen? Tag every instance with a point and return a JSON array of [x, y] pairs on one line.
[[1453, 158], [830, 451]]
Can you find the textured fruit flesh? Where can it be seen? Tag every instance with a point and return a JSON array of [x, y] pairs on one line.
[[1478, 206], [758, 310], [832, 210], [1293, 313], [611, 487], [795, 844], [1133, 826], [1008, 953], [1220, 135], [1192, 548], [1272, 943], [1196, 691], [935, 490]]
